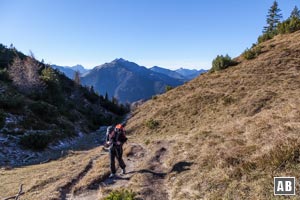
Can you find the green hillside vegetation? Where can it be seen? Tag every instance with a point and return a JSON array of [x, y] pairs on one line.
[[222, 62], [121, 195], [274, 27], [47, 105]]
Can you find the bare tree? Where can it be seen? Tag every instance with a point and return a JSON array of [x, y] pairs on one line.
[[77, 78], [25, 75]]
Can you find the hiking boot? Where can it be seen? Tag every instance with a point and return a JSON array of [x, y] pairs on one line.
[[123, 171], [111, 175]]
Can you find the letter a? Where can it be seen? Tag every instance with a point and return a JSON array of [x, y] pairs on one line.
[[280, 186]]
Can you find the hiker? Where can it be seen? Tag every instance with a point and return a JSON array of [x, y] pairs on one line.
[[115, 138]]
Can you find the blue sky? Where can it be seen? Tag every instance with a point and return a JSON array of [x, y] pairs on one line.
[[167, 33]]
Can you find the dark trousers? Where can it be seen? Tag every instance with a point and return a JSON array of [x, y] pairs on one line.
[[116, 151]]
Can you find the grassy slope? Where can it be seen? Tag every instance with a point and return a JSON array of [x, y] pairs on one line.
[[238, 128], [45, 181]]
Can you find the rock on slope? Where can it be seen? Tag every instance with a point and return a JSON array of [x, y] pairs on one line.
[[229, 133]]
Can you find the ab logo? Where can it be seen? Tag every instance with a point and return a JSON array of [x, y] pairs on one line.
[[284, 186]]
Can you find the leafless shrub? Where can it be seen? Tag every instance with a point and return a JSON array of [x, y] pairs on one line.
[[77, 78], [25, 75]]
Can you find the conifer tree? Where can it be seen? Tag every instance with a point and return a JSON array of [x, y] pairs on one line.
[[295, 13], [290, 25], [273, 18], [106, 97]]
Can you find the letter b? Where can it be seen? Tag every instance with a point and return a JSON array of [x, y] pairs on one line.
[[288, 186]]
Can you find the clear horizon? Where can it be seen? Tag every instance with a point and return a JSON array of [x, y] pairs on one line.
[[169, 34], [124, 59]]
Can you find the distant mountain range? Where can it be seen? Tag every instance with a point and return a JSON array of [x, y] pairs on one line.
[[70, 71], [128, 81], [168, 72], [181, 74], [190, 73]]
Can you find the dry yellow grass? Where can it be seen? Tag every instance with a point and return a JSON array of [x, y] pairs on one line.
[[91, 180], [45, 181], [238, 127]]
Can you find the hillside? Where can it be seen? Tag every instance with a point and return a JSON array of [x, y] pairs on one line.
[[228, 133], [40, 107], [127, 81]]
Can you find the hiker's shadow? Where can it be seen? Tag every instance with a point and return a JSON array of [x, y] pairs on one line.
[[144, 171], [113, 180], [181, 167]]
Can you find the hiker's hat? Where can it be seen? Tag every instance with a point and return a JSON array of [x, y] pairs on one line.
[[119, 126]]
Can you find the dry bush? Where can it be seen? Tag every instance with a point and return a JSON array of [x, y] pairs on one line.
[[25, 75]]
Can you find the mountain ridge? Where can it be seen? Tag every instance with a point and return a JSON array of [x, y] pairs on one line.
[[158, 76], [69, 71], [127, 81], [168, 72], [190, 73]]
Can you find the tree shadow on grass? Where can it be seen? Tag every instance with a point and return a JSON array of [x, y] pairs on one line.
[[178, 168]]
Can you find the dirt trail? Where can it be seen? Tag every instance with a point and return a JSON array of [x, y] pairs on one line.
[[138, 161], [155, 173], [136, 155], [119, 181]]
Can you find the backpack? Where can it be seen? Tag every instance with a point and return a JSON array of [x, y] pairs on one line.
[[120, 134], [109, 130]]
